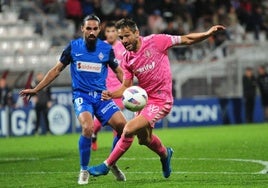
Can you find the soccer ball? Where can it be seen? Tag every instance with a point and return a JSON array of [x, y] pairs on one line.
[[134, 98]]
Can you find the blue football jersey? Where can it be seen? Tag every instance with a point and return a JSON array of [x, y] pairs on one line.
[[88, 68]]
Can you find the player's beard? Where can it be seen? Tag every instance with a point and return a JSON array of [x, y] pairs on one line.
[[91, 42], [132, 46]]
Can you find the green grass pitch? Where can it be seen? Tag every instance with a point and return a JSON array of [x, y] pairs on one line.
[[214, 156]]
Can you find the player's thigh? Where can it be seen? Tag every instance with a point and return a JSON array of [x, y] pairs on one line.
[[83, 109], [136, 125], [85, 118], [155, 111], [117, 122]]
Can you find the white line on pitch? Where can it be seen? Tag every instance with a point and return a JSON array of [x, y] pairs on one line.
[[263, 171], [264, 163], [126, 172]]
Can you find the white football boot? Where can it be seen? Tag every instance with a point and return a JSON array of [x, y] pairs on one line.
[[83, 177]]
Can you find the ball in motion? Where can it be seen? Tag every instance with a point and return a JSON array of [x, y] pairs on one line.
[[134, 98]]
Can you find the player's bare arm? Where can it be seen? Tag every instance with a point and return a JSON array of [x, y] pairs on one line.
[[198, 37], [49, 77], [106, 95]]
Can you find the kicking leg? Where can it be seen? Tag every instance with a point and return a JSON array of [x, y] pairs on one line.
[[146, 137]]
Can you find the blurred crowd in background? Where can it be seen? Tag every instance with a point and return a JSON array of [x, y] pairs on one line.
[[176, 17], [169, 16]]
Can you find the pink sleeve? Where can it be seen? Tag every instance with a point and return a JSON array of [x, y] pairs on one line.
[[164, 41]]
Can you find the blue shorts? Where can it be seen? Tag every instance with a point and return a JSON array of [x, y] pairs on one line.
[[91, 102]]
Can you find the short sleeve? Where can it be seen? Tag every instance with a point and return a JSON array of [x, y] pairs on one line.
[[113, 62], [66, 57], [164, 41]]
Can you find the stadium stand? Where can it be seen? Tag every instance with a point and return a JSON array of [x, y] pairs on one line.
[[32, 35], [21, 48]]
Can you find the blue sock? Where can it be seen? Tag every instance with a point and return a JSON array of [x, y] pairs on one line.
[[116, 138], [84, 151]]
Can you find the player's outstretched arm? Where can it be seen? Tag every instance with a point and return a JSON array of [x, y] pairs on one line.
[[49, 77], [198, 37]]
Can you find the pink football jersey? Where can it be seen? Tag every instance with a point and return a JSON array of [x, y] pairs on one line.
[[112, 81], [150, 64]]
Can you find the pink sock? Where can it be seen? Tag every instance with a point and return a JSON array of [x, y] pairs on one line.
[[97, 126], [121, 147], [157, 146]]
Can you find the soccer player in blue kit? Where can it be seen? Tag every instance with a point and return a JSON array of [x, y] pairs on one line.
[[89, 58]]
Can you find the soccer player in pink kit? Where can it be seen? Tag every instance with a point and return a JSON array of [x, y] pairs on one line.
[[147, 59], [112, 82]]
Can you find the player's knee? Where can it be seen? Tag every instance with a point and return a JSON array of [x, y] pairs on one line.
[[120, 126], [127, 132], [144, 141], [87, 131]]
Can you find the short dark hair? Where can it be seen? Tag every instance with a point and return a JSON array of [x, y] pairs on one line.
[[91, 17], [249, 69], [125, 22], [110, 24]]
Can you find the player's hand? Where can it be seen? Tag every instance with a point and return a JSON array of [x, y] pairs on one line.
[[216, 28], [106, 95], [27, 93]]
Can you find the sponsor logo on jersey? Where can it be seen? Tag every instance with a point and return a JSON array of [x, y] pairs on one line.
[[88, 66], [101, 56], [146, 68]]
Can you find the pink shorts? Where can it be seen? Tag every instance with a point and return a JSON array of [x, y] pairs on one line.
[[155, 110], [118, 102]]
